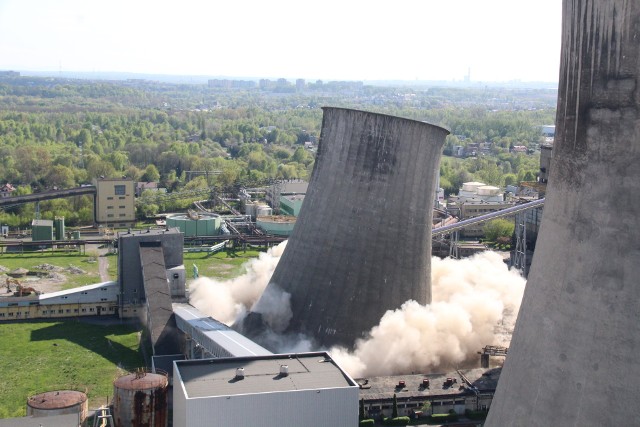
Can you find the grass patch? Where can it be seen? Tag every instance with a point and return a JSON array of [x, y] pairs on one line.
[[223, 265], [112, 270], [43, 356], [31, 260]]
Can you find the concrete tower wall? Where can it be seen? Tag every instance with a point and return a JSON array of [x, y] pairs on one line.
[[573, 359], [362, 242]]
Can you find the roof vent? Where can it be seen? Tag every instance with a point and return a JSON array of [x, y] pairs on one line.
[[239, 373], [284, 370], [401, 384], [425, 383]]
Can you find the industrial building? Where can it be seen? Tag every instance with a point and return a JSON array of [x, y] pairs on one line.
[[114, 202], [91, 300], [476, 199], [207, 338], [291, 204], [437, 393], [195, 223], [275, 192], [275, 390]]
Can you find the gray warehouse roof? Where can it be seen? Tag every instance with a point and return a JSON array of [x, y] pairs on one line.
[[217, 377], [216, 337]]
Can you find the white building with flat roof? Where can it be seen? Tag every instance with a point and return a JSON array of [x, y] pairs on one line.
[[276, 390]]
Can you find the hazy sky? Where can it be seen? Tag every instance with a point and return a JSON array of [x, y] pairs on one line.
[[498, 40]]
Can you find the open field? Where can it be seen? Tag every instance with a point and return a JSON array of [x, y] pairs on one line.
[[72, 270], [43, 356], [221, 265]]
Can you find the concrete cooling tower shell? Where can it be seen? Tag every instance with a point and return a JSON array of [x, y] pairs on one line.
[[362, 242], [573, 359]]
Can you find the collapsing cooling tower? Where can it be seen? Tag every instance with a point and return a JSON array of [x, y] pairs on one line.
[[362, 242], [573, 359]]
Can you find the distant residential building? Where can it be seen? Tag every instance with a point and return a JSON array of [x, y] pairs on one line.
[[9, 74], [142, 186], [114, 202], [300, 84], [519, 149], [6, 190], [231, 84]]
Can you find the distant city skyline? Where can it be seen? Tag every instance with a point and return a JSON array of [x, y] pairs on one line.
[[494, 40]]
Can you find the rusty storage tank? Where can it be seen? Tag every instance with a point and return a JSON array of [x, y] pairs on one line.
[[141, 399], [61, 402]]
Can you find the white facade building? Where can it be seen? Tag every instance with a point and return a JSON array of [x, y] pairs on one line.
[[305, 389]]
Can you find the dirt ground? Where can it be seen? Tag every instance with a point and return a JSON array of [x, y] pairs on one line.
[[56, 276]]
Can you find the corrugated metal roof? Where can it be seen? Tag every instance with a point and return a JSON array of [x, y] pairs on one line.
[[212, 334], [217, 377]]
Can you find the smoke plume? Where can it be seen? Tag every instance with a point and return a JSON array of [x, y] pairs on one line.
[[475, 303]]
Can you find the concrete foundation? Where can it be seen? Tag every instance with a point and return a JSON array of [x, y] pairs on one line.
[[362, 242], [573, 357]]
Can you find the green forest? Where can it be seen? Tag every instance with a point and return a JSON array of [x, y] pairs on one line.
[[61, 133]]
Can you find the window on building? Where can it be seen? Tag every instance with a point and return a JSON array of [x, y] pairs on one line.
[[60, 311], [1, 314], [109, 207], [91, 309], [121, 198], [119, 190], [122, 207], [75, 310], [10, 314], [109, 215], [18, 314], [103, 299], [110, 198], [68, 310], [84, 310]]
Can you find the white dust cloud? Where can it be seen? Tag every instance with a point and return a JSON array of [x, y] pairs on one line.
[[229, 300], [475, 303]]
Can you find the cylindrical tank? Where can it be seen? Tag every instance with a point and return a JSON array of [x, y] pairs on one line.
[[250, 209], [76, 235], [263, 210], [472, 186], [573, 359], [141, 399], [488, 190], [61, 402], [58, 226], [362, 242], [279, 225]]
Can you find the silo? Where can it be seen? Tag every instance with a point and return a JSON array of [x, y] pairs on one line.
[[263, 210], [61, 402], [141, 399], [362, 241], [58, 225], [573, 359]]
